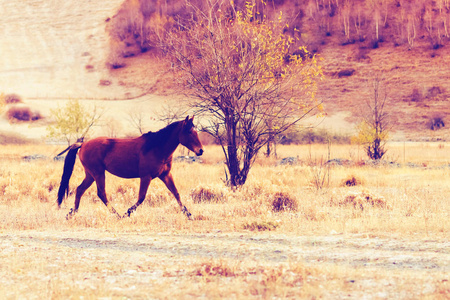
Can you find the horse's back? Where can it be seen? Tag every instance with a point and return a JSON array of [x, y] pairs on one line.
[[117, 156]]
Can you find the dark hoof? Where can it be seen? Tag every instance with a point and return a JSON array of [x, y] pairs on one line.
[[186, 212], [128, 213], [70, 214]]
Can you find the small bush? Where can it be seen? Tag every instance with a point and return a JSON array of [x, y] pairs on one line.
[[283, 202], [363, 200], [416, 95], [436, 122], [434, 92], [351, 181], [346, 73], [12, 99], [207, 195], [22, 113]]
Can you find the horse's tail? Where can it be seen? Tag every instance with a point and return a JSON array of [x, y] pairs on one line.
[[69, 163]]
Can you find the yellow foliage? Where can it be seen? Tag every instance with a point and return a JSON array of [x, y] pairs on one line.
[[274, 59], [368, 134]]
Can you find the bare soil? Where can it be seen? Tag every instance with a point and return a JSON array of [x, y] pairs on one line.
[[117, 264]]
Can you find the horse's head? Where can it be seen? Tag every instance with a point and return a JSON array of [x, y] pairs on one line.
[[189, 137]]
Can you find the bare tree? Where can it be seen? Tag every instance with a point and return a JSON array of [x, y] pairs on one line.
[[171, 113], [241, 74], [376, 123], [136, 118]]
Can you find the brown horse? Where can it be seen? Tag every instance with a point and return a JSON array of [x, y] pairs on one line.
[[146, 157]]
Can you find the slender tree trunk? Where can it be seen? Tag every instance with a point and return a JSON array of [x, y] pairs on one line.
[[232, 150]]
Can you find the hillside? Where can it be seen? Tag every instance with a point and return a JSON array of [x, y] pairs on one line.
[[407, 45], [51, 53]]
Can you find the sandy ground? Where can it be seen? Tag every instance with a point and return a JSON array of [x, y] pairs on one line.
[[45, 48], [133, 264]]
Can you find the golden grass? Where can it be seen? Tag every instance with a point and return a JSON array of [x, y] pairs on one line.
[[218, 254]]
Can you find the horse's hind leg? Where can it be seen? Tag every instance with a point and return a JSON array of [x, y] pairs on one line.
[[145, 181], [87, 182], [100, 180]]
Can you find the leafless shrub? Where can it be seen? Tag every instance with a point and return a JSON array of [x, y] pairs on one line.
[[112, 127], [320, 173]]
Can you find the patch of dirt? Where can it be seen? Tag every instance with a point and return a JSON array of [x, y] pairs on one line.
[[139, 259]]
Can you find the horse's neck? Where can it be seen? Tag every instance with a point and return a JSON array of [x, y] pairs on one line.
[[171, 144]]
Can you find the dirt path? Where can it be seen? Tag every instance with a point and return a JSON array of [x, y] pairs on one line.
[[133, 259]]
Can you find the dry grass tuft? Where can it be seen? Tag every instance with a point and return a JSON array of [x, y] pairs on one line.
[[208, 194], [260, 226], [215, 269], [282, 201], [364, 199], [352, 180]]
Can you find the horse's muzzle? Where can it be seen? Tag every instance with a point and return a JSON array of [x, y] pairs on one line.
[[199, 153]]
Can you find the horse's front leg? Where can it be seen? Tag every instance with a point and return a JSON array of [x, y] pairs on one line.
[[145, 182], [168, 181]]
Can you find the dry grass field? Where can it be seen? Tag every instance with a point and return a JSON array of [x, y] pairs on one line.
[[294, 231], [347, 230]]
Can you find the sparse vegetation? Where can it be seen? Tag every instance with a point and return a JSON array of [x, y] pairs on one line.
[[282, 201], [340, 242], [436, 123], [373, 131], [236, 247], [352, 180], [22, 113], [243, 77], [260, 226], [12, 99], [73, 122], [312, 136], [207, 194]]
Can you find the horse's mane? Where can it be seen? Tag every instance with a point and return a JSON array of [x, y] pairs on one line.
[[154, 139]]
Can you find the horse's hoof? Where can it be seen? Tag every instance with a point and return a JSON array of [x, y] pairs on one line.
[[70, 214], [128, 213], [186, 212]]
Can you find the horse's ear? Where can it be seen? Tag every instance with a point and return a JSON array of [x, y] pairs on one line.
[[189, 122]]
